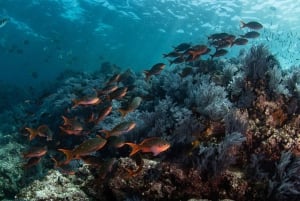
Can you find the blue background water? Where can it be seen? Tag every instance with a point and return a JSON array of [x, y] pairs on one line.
[[46, 37]]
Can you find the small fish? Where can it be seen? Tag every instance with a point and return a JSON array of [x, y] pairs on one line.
[[42, 131], [104, 113], [107, 89], [71, 126], [251, 25], [217, 36], [121, 128], [218, 53], [182, 47], [116, 141], [66, 169], [32, 162], [92, 160], [155, 70], [219, 44], [251, 34], [86, 101], [3, 22], [155, 145], [135, 103], [197, 50], [177, 60], [115, 78], [240, 41], [117, 94], [35, 152], [85, 148]]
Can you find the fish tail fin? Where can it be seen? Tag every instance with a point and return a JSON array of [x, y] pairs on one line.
[[123, 112], [68, 154], [32, 133], [75, 103], [135, 148], [243, 24], [165, 55], [147, 74]]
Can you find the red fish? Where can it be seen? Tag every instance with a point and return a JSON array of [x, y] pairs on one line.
[[121, 128], [71, 126], [135, 103], [35, 152], [155, 145], [156, 69], [85, 148], [42, 131], [86, 101]]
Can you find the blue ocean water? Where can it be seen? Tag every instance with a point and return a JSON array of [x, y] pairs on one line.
[[215, 116], [42, 38]]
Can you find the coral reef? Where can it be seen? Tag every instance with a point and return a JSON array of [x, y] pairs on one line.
[[54, 186], [11, 171], [233, 127]]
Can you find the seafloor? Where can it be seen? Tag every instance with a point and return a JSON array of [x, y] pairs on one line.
[[233, 126]]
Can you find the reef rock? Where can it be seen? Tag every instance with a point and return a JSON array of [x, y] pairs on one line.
[[10, 169], [55, 187]]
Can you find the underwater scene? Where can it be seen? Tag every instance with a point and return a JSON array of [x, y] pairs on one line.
[[149, 100]]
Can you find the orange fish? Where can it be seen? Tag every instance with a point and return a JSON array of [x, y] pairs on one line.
[[117, 94], [113, 79], [42, 131], [155, 145], [135, 103], [86, 101], [196, 51], [156, 69], [85, 148], [92, 160], [108, 89], [71, 126], [104, 113], [35, 152], [63, 168], [119, 129]]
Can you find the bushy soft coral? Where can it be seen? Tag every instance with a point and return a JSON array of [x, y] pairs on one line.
[[285, 184], [216, 158], [208, 99]]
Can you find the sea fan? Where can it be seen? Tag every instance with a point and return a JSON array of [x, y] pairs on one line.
[[257, 63], [215, 159], [285, 184], [292, 81], [276, 84], [236, 121], [208, 98]]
